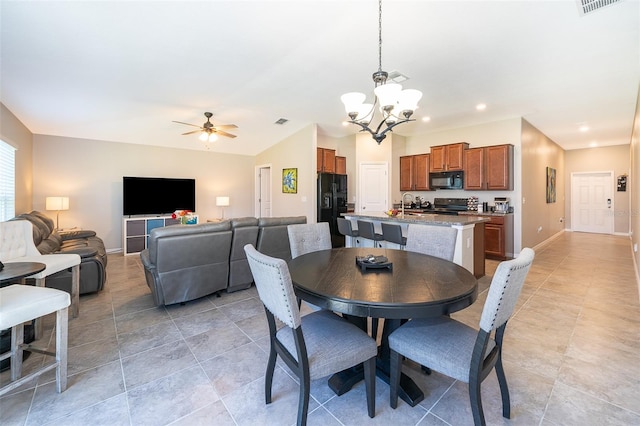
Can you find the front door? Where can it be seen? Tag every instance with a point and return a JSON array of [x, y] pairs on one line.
[[592, 202]]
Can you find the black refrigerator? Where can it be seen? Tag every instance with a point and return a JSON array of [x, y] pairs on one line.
[[332, 201]]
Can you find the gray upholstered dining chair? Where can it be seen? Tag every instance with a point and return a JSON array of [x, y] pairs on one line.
[[462, 352], [438, 241], [313, 346], [309, 237]]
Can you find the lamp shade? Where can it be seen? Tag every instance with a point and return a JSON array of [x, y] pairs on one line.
[[388, 94], [352, 101], [57, 203], [222, 201]]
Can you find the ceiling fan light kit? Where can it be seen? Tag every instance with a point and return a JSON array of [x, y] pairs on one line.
[[208, 131], [396, 105]]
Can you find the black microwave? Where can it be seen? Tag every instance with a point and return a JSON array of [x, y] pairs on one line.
[[446, 180]]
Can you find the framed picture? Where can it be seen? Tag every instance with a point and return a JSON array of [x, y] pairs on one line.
[[290, 181], [551, 185]]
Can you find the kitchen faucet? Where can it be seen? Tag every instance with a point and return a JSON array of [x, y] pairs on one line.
[[402, 201]]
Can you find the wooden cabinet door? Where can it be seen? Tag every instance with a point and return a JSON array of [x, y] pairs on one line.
[[329, 161], [406, 173], [499, 167], [438, 158], [474, 174], [421, 172], [319, 158], [455, 155], [341, 165], [494, 240]]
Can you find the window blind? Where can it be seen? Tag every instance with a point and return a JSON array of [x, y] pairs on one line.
[[7, 181]]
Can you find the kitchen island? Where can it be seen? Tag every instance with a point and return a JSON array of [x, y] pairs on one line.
[[469, 252]]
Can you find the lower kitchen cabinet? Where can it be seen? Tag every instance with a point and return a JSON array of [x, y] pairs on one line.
[[498, 237]]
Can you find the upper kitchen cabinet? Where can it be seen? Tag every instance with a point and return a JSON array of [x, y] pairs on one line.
[[489, 168], [326, 160], [448, 157], [414, 172], [341, 165]]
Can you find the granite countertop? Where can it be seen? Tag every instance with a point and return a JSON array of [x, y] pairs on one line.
[[472, 213], [423, 218]]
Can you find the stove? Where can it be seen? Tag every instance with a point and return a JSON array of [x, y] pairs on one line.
[[449, 205]]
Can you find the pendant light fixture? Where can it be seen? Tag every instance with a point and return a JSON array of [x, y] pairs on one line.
[[396, 105]]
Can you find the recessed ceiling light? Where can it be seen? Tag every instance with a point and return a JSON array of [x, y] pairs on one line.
[[593, 144], [481, 107], [584, 128], [345, 123], [426, 119]]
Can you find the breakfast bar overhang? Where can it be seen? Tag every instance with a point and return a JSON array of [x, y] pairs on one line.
[[469, 251]]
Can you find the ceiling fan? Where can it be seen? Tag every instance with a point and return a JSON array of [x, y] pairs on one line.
[[208, 131]]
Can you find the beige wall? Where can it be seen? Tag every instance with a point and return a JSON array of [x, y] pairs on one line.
[[610, 158], [16, 134], [632, 187], [494, 133], [540, 220], [90, 172], [299, 151]]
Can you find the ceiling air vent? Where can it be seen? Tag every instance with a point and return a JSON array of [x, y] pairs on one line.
[[281, 121], [397, 77], [588, 6]]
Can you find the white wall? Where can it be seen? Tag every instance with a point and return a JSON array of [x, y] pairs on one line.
[[90, 172]]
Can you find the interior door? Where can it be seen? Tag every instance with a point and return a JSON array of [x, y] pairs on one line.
[[263, 202], [373, 187], [592, 202]]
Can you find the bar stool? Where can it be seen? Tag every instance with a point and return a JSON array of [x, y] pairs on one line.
[[365, 229], [345, 228], [393, 234], [21, 303]]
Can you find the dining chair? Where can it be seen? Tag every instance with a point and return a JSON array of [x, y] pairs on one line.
[[312, 346], [438, 241], [460, 351], [16, 245], [309, 237], [367, 231], [393, 234], [345, 228], [21, 303]]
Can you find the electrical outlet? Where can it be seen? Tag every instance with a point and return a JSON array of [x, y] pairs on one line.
[[523, 200], [539, 229], [635, 247], [561, 219]]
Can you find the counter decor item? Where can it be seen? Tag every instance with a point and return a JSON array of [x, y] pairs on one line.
[[392, 212], [472, 204], [186, 217]]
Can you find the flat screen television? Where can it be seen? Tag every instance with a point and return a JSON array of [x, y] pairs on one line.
[[155, 196]]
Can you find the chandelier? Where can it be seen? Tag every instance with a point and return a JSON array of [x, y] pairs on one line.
[[396, 105]]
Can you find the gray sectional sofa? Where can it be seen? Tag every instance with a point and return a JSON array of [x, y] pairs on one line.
[[186, 262], [90, 247]]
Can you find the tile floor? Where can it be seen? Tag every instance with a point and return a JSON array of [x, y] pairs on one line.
[[572, 356]]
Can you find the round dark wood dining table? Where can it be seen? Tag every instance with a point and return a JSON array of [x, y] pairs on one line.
[[417, 286]]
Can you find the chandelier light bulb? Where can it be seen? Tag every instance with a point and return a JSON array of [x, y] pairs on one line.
[[203, 136], [388, 95], [352, 102]]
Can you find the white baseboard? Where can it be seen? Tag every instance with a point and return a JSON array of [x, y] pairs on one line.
[[548, 240]]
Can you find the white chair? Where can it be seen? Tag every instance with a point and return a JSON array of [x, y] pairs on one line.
[[21, 303], [16, 245], [438, 241], [462, 352], [313, 346], [309, 237]]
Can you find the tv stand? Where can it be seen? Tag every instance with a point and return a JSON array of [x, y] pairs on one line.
[[136, 231]]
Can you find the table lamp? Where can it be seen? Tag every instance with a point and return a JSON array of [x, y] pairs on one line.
[[57, 203], [222, 202]]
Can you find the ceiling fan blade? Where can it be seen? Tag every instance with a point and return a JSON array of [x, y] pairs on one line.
[[225, 126], [192, 132], [188, 124], [229, 135]]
